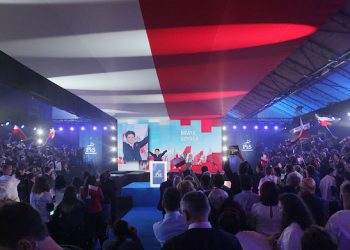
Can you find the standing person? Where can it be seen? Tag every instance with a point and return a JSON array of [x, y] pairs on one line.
[[131, 148], [247, 197], [200, 235], [328, 185], [93, 197], [60, 186], [109, 193], [268, 177], [157, 155], [164, 185], [173, 223], [338, 225], [8, 185], [295, 219], [41, 198]]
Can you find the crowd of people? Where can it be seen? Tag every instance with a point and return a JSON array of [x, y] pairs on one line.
[[298, 199]]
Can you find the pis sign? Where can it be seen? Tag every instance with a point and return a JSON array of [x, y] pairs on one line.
[[247, 145], [90, 149]]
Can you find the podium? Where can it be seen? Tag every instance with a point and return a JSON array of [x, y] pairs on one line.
[[158, 172]]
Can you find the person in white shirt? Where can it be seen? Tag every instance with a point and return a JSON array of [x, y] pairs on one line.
[[8, 185], [268, 177], [265, 215], [296, 218], [173, 223], [327, 185], [41, 198], [247, 197], [338, 225]]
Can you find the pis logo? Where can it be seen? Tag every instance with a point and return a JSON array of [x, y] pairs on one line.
[[247, 145], [90, 149]]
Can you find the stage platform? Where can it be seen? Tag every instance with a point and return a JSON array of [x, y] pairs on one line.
[[142, 194]]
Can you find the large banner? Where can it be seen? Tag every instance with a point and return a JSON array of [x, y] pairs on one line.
[[92, 144], [134, 142], [188, 141]]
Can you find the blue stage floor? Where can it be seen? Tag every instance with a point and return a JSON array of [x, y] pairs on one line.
[[142, 194]]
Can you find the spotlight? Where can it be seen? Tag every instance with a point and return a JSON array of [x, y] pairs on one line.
[[114, 159], [34, 129], [82, 128], [266, 127], [60, 129], [224, 128], [7, 123], [22, 126], [348, 113], [39, 141], [94, 128], [71, 128], [113, 149], [224, 138], [256, 127], [113, 138], [104, 128], [224, 158], [224, 148], [244, 127], [234, 127], [276, 127], [113, 127], [39, 131], [2, 124]]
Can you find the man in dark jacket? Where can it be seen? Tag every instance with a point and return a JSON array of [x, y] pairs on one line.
[[131, 148], [200, 235], [157, 155], [318, 207]]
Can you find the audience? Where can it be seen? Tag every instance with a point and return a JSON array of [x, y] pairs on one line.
[[184, 187], [265, 215], [60, 185], [295, 219], [338, 225], [8, 185], [200, 235], [22, 227], [318, 207], [173, 223], [327, 185], [246, 198], [316, 238]]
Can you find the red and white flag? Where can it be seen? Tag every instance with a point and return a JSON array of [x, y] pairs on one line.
[[17, 131], [325, 121], [302, 134], [187, 150], [198, 156], [51, 134]]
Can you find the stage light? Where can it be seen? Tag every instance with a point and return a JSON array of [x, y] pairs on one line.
[[34, 129], [113, 138], [224, 148], [348, 113], [114, 149], [22, 126], [7, 123], [234, 127], [276, 127], [244, 127], [39, 131], [2, 124], [224, 138], [256, 127], [104, 128], [71, 128], [224, 128], [60, 129], [94, 128], [266, 127], [39, 141], [224, 158], [113, 127], [114, 159], [82, 128]]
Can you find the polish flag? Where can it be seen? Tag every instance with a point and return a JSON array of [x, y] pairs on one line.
[[17, 131], [198, 156], [264, 159], [325, 121], [51, 134], [302, 134], [187, 150]]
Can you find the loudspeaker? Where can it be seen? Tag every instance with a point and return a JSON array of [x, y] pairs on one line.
[[178, 162]]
